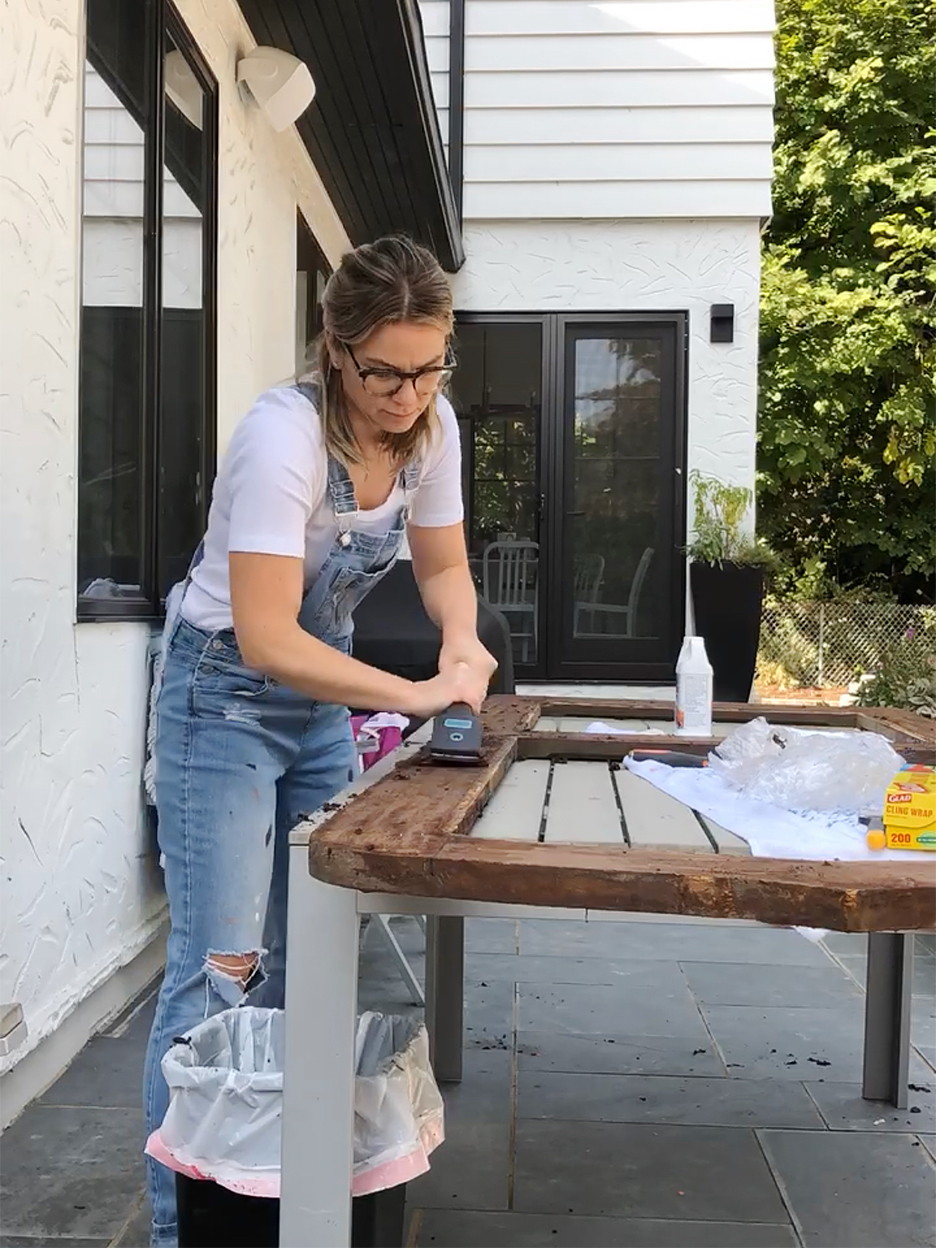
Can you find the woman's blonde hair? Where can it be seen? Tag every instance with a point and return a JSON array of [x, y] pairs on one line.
[[378, 284]]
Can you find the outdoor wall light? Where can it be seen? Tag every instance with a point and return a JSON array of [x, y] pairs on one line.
[[721, 328], [280, 84], [183, 88]]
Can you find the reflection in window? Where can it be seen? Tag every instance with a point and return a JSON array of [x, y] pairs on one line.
[[496, 395], [617, 434], [147, 404]]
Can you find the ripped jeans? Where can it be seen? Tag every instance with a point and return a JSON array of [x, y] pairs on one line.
[[239, 760]]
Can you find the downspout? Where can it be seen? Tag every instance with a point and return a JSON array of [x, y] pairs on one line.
[[456, 86]]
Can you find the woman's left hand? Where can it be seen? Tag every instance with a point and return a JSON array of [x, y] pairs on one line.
[[470, 651]]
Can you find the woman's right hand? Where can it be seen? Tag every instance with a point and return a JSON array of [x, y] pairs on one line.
[[460, 683]]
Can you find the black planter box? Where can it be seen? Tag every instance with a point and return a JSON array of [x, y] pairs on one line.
[[212, 1217], [726, 603]]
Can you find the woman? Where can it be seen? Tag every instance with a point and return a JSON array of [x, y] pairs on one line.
[[310, 507]]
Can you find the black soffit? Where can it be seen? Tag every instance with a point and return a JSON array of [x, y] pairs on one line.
[[372, 130]]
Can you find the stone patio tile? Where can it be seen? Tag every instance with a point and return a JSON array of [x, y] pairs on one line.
[[642, 1171], [71, 1171], [43, 1241], [610, 1010], [929, 1143], [485, 1091], [760, 1042], [534, 969], [844, 1109], [490, 936], [856, 1190], [489, 1014], [668, 942], [442, 1228], [106, 1074], [136, 1234], [662, 1099], [737, 983], [469, 1171], [626, 1055]]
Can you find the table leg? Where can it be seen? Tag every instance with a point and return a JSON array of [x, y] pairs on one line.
[[318, 1085], [445, 985], [887, 1017]]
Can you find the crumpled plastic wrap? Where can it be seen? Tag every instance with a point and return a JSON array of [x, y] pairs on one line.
[[801, 769], [226, 1102]]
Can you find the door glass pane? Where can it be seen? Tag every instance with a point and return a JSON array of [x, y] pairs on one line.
[[183, 359], [110, 564], [616, 394], [496, 393]]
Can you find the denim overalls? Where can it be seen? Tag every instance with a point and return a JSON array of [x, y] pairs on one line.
[[240, 759]]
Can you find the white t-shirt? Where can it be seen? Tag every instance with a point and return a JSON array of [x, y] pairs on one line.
[[271, 497]]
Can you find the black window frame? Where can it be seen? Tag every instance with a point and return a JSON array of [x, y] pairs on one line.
[[554, 466], [162, 20]]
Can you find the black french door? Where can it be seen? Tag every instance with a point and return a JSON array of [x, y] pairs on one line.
[[573, 438]]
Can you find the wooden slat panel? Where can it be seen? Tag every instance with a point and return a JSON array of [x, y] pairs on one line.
[[726, 841], [654, 820], [582, 806], [515, 811]]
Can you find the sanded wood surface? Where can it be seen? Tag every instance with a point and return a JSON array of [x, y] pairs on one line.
[[410, 833]]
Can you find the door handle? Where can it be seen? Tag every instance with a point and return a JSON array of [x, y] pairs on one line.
[[575, 513]]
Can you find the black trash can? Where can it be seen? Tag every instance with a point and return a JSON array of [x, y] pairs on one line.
[[210, 1216]]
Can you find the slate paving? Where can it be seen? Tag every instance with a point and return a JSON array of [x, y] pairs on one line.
[[651, 1083]]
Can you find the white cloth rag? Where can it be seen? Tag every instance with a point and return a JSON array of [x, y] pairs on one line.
[[771, 831]]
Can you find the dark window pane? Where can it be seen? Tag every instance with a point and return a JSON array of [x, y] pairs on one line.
[[183, 418], [616, 487], [110, 557], [496, 393]]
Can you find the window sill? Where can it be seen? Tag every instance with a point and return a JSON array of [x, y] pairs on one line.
[[110, 611]]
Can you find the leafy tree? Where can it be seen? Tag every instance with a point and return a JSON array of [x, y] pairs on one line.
[[847, 487]]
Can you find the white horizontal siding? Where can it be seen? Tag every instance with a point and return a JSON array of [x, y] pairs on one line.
[[624, 89], [621, 109], [627, 50], [520, 126], [632, 162], [506, 201], [654, 17], [435, 20]]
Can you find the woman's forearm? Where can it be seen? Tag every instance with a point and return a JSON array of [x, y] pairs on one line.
[[299, 660], [451, 602]]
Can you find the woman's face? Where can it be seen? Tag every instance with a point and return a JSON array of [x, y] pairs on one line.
[[406, 347]]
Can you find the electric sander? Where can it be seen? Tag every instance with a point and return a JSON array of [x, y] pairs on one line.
[[456, 736]]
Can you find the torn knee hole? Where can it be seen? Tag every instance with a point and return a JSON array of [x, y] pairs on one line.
[[239, 967]]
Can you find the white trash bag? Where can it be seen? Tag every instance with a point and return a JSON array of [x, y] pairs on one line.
[[225, 1110], [801, 769]]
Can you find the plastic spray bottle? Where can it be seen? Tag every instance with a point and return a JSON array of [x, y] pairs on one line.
[[693, 690]]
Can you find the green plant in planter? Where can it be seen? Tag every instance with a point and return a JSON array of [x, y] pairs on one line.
[[718, 520]]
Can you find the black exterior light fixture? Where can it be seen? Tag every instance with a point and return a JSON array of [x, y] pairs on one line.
[[722, 324]]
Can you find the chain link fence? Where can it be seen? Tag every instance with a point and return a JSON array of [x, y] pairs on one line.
[[809, 645]]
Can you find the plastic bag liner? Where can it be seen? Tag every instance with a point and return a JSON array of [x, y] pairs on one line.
[[803, 770], [226, 1103]]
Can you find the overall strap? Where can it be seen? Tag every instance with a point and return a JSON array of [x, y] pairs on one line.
[[344, 503]]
